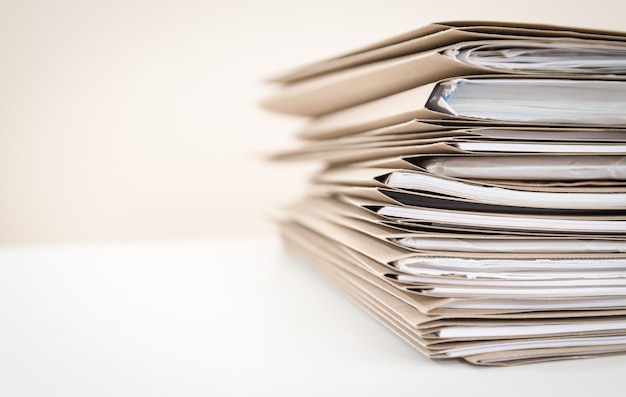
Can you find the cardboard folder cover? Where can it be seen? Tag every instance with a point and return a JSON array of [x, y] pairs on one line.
[[336, 255], [345, 88], [385, 316], [360, 198], [447, 317], [442, 34], [406, 183], [500, 97], [396, 140], [449, 217], [379, 243], [364, 262], [431, 326], [401, 318], [533, 172], [473, 198], [394, 274], [458, 244]]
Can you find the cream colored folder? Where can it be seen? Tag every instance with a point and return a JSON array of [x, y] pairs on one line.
[[473, 198], [396, 310], [509, 101], [344, 88], [443, 34]]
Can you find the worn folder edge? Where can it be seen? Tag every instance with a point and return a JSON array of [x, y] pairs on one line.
[[383, 307], [438, 35], [413, 104], [364, 83]]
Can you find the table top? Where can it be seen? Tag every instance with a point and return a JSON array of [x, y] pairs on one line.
[[237, 316]]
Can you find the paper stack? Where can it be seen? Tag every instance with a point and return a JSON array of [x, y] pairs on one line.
[[474, 195]]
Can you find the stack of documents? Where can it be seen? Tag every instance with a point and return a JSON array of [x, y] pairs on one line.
[[473, 197]]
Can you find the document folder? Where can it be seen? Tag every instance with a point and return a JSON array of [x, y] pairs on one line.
[[442, 51], [473, 194]]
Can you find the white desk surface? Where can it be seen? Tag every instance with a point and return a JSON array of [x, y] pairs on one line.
[[224, 318]]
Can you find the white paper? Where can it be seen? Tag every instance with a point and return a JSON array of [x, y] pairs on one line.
[[512, 264], [505, 196], [530, 168], [574, 292], [510, 222], [537, 304], [522, 272], [521, 278], [581, 57], [528, 330], [516, 147], [536, 344], [506, 280], [492, 245], [533, 100], [558, 135]]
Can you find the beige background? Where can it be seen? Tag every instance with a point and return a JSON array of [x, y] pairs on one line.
[[136, 119]]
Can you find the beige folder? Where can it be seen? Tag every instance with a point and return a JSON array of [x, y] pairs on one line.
[[397, 310], [401, 140], [334, 254], [344, 88], [396, 184], [405, 62], [474, 208], [376, 241], [352, 216], [424, 103], [533, 172], [442, 34]]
